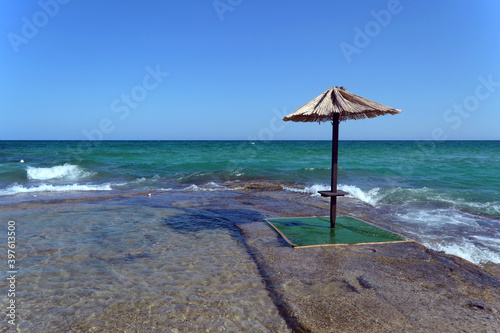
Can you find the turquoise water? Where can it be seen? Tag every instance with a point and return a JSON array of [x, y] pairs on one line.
[[448, 183], [463, 173], [184, 162], [444, 165], [83, 212]]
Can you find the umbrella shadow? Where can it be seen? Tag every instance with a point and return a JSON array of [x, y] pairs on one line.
[[217, 219], [227, 220], [211, 219]]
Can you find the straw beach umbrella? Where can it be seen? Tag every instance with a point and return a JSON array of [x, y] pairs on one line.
[[335, 105]]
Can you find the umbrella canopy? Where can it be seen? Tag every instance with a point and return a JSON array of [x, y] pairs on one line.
[[337, 100], [335, 105]]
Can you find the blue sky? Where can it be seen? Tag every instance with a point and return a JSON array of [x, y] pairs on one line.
[[230, 69]]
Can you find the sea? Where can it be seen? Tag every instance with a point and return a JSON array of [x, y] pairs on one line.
[[140, 236]]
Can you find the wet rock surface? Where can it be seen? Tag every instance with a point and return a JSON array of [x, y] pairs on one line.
[[194, 249], [398, 287]]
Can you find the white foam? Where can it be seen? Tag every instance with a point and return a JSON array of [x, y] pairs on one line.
[[139, 180], [405, 196], [193, 188], [370, 197], [468, 251], [451, 231], [437, 218], [488, 207], [313, 189], [54, 188], [488, 240], [210, 187], [64, 172]]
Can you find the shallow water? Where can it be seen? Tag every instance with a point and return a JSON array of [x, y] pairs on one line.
[[123, 266]]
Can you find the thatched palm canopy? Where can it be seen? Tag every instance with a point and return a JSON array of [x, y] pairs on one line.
[[339, 100], [337, 104]]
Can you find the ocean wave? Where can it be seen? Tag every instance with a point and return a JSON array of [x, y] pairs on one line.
[[491, 208], [427, 196], [468, 251], [408, 197], [142, 182], [488, 240], [62, 172], [369, 197], [208, 187], [452, 231], [14, 189], [206, 176], [313, 189]]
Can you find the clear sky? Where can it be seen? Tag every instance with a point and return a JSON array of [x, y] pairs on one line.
[[231, 69]]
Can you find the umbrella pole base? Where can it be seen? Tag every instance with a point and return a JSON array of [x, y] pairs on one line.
[[333, 203], [333, 211]]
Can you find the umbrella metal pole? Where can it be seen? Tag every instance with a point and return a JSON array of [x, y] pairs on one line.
[[335, 153]]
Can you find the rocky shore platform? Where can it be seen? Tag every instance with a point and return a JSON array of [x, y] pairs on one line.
[[395, 287], [400, 287]]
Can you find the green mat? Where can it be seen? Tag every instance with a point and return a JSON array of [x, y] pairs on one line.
[[316, 231]]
